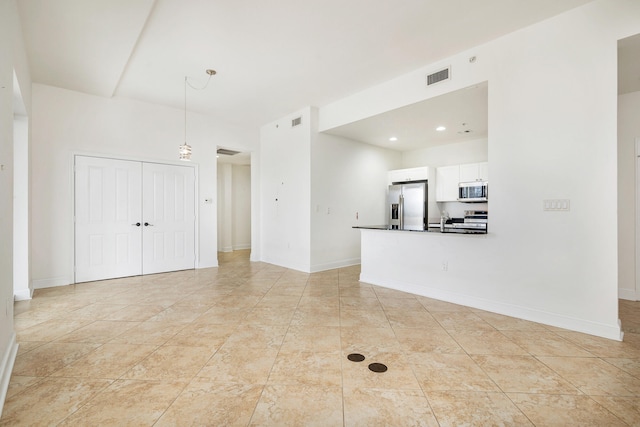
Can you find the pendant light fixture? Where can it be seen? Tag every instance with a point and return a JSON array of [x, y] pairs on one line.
[[184, 150]]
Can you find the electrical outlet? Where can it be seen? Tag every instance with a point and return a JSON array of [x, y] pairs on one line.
[[556, 205], [445, 265]]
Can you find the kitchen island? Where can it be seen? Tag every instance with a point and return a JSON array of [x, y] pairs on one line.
[[438, 265]]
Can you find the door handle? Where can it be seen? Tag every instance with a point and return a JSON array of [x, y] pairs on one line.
[[137, 224], [146, 224]]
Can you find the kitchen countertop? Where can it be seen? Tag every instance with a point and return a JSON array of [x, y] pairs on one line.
[[430, 230]]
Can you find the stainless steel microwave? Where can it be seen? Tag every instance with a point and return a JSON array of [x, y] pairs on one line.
[[473, 192]]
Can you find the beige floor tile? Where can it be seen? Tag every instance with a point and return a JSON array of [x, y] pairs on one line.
[[601, 347], [269, 316], [382, 407], [323, 339], [460, 408], [50, 357], [253, 343], [317, 316], [434, 305], [204, 403], [258, 336], [127, 403], [420, 319], [400, 304], [211, 336], [630, 366], [594, 376], [109, 361], [523, 374], [399, 375], [370, 318], [239, 365], [625, 408], [20, 383], [487, 342], [99, 332], [135, 313], [154, 333], [563, 410], [545, 343], [49, 401], [280, 405], [456, 321], [506, 323], [369, 340], [170, 362], [51, 329], [415, 342], [441, 372], [307, 368]]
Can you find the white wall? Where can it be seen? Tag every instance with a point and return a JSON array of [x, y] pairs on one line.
[[241, 206], [285, 192], [456, 153], [234, 207], [12, 60], [628, 131], [65, 122], [552, 122], [348, 179], [21, 279]]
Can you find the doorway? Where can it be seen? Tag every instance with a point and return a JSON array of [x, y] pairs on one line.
[[132, 218], [234, 201]]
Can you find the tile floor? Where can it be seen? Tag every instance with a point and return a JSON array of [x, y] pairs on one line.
[[260, 345]]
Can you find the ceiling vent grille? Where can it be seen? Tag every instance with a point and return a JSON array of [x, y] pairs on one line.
[[439, 76], [296, 122], [227, 152]]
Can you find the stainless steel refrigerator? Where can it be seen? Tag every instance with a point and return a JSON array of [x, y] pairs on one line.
[[408, 206]]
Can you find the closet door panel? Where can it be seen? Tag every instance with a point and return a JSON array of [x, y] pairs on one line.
[[168, 235], [107, 207]]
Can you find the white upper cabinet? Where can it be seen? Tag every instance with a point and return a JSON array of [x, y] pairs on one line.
[[447, 179], [411, 174], [474, 172]]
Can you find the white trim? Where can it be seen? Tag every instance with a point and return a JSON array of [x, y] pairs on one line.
[[242, 247], [628, 294], [23, 295], [8, 359], [637, 221], [520, 312], [51, 282], [336, 264]]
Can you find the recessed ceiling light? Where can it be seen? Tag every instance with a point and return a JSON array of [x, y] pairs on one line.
[[393, 139], [441, 128]]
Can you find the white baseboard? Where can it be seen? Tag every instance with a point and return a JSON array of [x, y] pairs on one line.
[[628, 294], [50, 282], [242, 246], [23, 294], [8, 358], [613, 332], [336, 264]]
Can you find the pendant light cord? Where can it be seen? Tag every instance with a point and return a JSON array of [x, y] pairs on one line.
[[211, 73]]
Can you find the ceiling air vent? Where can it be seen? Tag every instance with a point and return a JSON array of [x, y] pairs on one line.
[[227, 152], [296, 122], [439, 76]]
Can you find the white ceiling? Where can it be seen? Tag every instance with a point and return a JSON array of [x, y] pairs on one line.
[[272, 57]]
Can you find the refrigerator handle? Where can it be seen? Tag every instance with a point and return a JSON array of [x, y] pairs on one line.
[[401, 212]]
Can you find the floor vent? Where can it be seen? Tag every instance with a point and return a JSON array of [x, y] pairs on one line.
[[296, 122], [227, 152], [439, 76]]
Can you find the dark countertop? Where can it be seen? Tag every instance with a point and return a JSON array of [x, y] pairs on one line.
[[430, 230]]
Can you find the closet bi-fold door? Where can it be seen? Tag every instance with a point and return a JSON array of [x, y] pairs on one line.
[[108, 211], [132, 218], [168, 206]]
